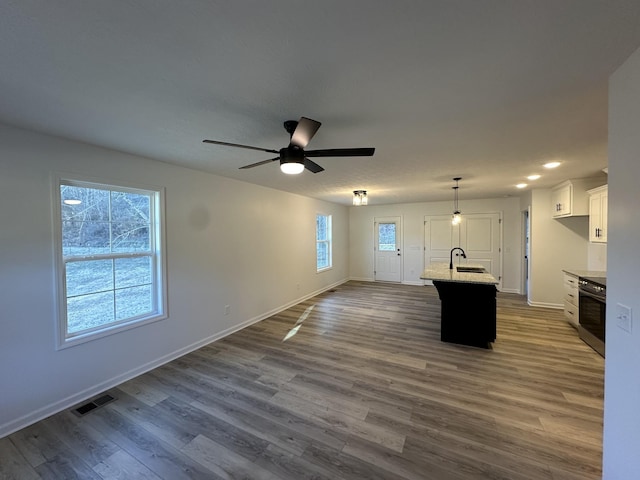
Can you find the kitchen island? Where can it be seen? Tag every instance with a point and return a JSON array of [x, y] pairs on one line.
[[468, 303]]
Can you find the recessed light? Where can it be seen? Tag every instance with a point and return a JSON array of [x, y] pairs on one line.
[[533, 177], [551, 165], [521, 185]]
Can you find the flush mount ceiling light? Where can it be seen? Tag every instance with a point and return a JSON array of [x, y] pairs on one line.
[[456, 218], [551, 165], [521, 185], [360, 197], [533, 177]]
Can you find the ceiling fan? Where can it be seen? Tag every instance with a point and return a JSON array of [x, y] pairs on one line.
[[294, 159]]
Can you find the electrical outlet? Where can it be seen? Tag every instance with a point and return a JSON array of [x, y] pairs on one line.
[[623, 317], [227, 309]]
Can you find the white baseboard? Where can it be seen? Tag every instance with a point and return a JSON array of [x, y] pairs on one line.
[[79, 397], [362, 279], [419, 283], [511, 290], [546, 305]]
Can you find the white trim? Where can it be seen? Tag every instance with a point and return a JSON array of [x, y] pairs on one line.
[[412, 282], [68, 402], [511, 290], [555, 306], [363, 279]]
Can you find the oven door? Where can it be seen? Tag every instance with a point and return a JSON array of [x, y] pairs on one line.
[[592, 318]]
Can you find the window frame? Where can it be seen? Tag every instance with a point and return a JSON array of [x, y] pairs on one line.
[[157, 255], [328, 242]]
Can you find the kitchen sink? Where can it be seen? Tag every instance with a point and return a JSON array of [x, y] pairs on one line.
[[466, 269]]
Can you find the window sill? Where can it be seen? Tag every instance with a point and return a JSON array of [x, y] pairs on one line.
[[106, 331]]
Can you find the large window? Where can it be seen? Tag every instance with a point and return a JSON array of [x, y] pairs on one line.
[[111, 268], [323, 242]]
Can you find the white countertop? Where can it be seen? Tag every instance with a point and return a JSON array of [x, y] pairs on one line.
[[440, 272], [585, 273]]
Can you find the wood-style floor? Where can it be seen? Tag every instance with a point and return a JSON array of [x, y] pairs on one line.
[[362, 388]]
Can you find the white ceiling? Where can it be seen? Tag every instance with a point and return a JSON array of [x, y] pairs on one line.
[[487, 90]]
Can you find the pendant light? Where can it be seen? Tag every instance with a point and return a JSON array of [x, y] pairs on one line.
[[360, 197], [456, 218]]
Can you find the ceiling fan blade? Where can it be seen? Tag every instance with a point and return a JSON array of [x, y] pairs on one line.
[[227, 144], [341, 152], [304, 132], [312, 166], [263, 162]]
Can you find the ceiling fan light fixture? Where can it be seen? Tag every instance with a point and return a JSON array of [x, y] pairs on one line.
[[292, 168], [360, 198]]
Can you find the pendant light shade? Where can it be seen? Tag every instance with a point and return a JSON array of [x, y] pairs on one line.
[[456, 218], [360, 197]]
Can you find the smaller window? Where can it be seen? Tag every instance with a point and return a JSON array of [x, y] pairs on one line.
[[323, 242]]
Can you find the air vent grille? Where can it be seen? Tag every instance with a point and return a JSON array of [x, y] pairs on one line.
[[93, 404]]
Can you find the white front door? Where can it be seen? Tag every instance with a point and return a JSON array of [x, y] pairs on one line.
[[388, 256]]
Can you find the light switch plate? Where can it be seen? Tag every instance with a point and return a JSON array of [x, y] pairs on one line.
[[623, 317]]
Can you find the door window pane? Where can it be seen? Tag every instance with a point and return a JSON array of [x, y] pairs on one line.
[[387, 236]]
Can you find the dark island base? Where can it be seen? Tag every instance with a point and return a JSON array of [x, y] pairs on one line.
[[468, 313]]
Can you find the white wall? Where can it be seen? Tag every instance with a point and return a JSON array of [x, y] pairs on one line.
[[556, 244], [622, 371], [228, 243], [361, 236], [597, 257]]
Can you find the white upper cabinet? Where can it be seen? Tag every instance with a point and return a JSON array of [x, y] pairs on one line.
[[598, 200], [570, 198]]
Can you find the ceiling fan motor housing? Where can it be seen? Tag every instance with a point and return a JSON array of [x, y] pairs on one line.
[[291, 154]]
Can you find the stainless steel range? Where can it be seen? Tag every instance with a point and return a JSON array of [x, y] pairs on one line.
[[592, 294]]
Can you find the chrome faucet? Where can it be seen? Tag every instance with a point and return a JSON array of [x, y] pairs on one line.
[[464, 255]]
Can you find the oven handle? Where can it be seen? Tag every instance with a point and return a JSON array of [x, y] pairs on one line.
[[591, 295]]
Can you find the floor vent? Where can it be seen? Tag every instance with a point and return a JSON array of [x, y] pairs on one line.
[[93, 404], [333, 290]]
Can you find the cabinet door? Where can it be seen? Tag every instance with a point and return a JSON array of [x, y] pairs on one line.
[[604, 204], [598, 204], [595, 217], [561, 201]]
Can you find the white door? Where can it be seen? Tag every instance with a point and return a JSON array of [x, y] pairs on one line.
[[388, 256], [440, 236], [480, 238], [478, 235]]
